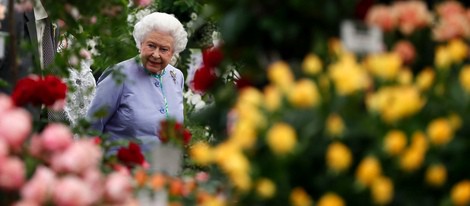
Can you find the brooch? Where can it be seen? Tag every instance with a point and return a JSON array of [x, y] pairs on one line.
[[173, 75]]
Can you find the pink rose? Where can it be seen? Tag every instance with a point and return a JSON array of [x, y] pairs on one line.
[[72, 191], [35, 146], [94, 178], [77, 158], [39, 189], [412, 15], [118, 187], [383, 17], [15, 126], [447, 8], [406, 50], [5, 103], [4, 150], [12, 174], [142, 3], [56, 137]]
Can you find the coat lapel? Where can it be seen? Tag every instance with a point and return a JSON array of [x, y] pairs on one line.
[[33, 36]]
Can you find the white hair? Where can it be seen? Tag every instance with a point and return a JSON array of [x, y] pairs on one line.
[[161, 22]]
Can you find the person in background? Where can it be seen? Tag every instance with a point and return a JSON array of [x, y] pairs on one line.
[[134, 96], [33, 26]]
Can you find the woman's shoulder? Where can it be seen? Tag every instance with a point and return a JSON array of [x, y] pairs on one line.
[[122, 69]]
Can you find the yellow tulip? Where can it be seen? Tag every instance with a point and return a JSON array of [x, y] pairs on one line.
[[272, 98], [265, 188], [299, 197], [279, 74], [464, 78], [338, 157], [304, 94], [395, 142], [335, 125], [443, 57], [382, 190], [368, 170], [436, 175], [440, 131], [385, 66], [460, 193], [425, 79], [201, 153], [281, 138], [412, 159], [330, 199], [405, 77], [311, 64], [458, 50]]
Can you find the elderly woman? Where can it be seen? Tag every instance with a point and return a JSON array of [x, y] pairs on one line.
[[133, 96]]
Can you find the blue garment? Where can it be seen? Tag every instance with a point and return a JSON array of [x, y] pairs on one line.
[[136, 101]]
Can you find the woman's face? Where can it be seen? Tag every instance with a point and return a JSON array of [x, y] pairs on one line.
[[156, 51]]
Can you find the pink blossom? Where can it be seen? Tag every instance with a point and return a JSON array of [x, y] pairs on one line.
[[406, 50], [5, 103], [94, 178], [382, 16], [118, 187], [15, 126], [202, 177], [4, 150], [85, 54], [56, 137], [143, 3], [35, 146], [412, 15], [58, 105], [72, 191], [447, 8], [453, 26], [77, 158], [39, 189], [12, 173]]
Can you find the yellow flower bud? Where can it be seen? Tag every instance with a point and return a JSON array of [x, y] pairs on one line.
[[425, 79], [464, 78], [334, 125], [443, 57], [311, 65], [385, 66], [382, 190], [338, 157], [304, 94], [368, 170], [460, 193], [299, 197], [405, 77], [395, 142], [279, 74], [265, 188], [201, 153], [272, 98], [419, 141], [436, 175], [250, 95], [411, 159], [440, 131], [330, 199], [241, 181], [281, 138], [455, 121], [458, 50]]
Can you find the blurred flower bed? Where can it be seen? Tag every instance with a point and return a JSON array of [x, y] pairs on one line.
[[385, 128]]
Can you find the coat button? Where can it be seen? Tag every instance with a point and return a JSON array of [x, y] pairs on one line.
[[157, 84], [162, 110]]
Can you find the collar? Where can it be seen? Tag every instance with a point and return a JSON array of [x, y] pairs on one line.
[[39, 11]]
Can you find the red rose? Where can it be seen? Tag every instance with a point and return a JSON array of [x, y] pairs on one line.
[[54, 89], [130, 156], [186, 136], [204, 79], [212, 57], [25, 91]]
